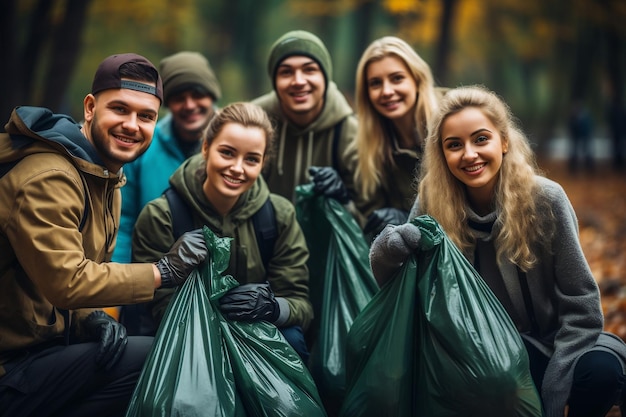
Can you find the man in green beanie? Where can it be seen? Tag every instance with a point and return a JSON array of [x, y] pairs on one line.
[[190, 93], [314, 122]]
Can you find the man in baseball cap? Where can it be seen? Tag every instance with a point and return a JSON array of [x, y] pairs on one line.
[[122, 135], [190, 93], [60, 353], [108, 75]]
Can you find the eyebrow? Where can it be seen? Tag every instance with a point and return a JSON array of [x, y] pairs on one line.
[[304, 64], [393, 74], [482, 129], [232, 148], [125, 104]]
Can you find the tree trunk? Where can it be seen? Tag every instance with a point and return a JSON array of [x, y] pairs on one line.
[[440, 70], [66, 45], [9, 70], [40, 28]]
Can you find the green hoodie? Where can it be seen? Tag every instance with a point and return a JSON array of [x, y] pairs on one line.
[[287, 272], [297, 148]]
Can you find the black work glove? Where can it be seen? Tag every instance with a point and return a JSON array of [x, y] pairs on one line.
[[100, 327], [186, 253], [328, 182], [250, 302], [382, 217]]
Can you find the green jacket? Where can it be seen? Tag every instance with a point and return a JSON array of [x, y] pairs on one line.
[[287, 272], [297, 149], [47, 261]]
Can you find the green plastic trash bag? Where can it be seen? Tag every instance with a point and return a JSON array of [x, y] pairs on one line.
[[204, 365], [436, 342], [341, 285]]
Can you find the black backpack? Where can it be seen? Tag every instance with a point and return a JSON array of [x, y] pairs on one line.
[[264, 222]]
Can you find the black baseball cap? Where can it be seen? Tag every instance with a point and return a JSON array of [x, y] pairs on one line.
[[108, 75]]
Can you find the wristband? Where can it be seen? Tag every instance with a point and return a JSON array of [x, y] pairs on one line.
[[166, 275]]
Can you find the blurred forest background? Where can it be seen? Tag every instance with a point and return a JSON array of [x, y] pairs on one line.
[[541, 56]]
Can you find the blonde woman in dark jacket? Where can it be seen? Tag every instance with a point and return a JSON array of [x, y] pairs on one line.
[[223, 188], [519, 230], [395, 99]]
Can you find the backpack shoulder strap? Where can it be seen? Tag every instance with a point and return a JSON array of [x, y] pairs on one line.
[[264, 221], [335, 144], [181, 213]]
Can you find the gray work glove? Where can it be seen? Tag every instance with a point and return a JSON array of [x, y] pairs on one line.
[[186, 253], [327, 182], [382, 217], [391, 248], [250, 302], [102, 328]]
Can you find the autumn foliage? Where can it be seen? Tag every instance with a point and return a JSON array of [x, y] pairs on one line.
[[599, 198]]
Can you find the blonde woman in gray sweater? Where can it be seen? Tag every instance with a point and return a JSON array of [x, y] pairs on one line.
[[479, 181]]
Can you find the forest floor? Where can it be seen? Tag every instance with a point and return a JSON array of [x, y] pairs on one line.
[[599, 199]]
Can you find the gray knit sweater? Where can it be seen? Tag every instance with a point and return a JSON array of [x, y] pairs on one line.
[[564, 293]]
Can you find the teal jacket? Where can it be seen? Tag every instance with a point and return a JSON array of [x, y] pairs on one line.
[[287, 272], [146, 179]]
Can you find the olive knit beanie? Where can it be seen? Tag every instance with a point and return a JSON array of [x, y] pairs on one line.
[[299, 42], [185, 70]]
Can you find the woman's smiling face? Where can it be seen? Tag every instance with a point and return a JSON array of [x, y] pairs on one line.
[[391, 87], [234, 160], [473, 149]]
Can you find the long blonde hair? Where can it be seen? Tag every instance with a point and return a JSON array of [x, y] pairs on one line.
[[443, 196], [372, 146]]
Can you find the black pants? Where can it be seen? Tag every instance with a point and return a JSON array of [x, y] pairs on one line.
[[597, 385], [64, 381]]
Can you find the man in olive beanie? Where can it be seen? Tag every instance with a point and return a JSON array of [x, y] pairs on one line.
[[314, 122], [299, 42], [314, 125], [190, 92]]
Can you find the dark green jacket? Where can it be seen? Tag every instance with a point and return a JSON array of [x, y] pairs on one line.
[[287, 272], [399, 186]]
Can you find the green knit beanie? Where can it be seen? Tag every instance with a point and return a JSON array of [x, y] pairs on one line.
[[185, 70], [299, 42]]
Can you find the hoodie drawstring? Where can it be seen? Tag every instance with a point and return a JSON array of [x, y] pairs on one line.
[[298, 156], [309, 151], [281, 147], [298, 165]]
